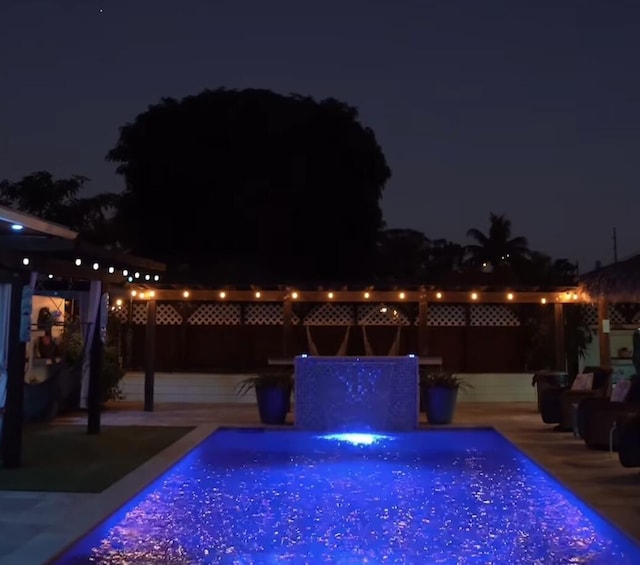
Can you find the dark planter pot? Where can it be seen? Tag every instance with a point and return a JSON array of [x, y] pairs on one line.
[[440, 404], [274, 403]]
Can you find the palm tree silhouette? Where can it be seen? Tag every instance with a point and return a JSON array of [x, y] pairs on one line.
[[497, 248]]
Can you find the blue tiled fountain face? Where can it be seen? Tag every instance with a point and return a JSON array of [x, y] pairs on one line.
[[356, 393]]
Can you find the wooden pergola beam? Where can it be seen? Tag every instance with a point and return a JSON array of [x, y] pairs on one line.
[[374, 296]]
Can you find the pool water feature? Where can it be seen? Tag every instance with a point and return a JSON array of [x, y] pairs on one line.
[[246, 496]]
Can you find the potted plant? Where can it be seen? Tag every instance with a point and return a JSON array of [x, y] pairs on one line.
[[273, 394], [439, 393]]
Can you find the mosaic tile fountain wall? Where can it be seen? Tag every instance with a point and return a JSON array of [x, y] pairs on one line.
[[356, 393]]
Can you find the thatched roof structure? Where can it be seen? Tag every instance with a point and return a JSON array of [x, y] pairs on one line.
[[618, 282]]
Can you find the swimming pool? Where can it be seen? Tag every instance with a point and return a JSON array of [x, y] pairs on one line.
[[268, 496]]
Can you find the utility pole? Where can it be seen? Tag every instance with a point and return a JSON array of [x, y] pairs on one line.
[[615, 246]]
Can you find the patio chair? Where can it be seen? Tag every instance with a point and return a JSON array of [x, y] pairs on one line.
[[601, 420], [557, 405]]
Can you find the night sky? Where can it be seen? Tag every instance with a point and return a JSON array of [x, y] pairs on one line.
[[529, 108]]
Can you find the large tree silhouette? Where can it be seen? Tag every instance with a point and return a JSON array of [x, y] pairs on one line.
[[252, 185]]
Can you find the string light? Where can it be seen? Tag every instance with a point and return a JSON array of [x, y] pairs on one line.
[[156, 278], [25, 261], [147, 277], [95, 266], [438, 295], [510, 296], [258, 294], [366, 295], [112, 270], [125, 273], [294, 295], [185, 294], [543, 300], [78, 262], [223, 294], [402, 295], [134, 292], [474, 296], [330, 295]]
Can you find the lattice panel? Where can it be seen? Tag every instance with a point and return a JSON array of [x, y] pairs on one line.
[[445, 315], [590, 315], [120, 313], [139, 313], [330, 315], [381, 315], [217, 314], [615, 317], [267, 314], [487, 315], [167, 315]]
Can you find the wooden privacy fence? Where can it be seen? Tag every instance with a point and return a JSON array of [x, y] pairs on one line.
[[229, 337]]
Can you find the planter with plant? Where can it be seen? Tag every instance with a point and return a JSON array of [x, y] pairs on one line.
[[439, 392], [273, 394]]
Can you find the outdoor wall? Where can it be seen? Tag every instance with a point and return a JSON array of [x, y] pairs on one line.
[[202, 388]]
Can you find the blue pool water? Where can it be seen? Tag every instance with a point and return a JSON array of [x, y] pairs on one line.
[[270, 497]]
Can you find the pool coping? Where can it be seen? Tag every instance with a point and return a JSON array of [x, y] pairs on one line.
[[52, 543]]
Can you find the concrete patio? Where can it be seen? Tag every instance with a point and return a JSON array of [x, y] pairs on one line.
[[35, 526]]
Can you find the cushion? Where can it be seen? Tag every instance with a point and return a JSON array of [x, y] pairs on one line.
[[583, 381], [621, 391]]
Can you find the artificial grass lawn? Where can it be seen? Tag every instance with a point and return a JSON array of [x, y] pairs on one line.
[[59, 458]]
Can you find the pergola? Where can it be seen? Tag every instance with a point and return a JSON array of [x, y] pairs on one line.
[[33, 250], [618, 282], [422, 296]]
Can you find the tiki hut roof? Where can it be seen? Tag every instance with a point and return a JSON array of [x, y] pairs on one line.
[[618, 282]]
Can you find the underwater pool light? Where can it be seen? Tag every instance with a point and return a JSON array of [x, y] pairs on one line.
[[356, 438]]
